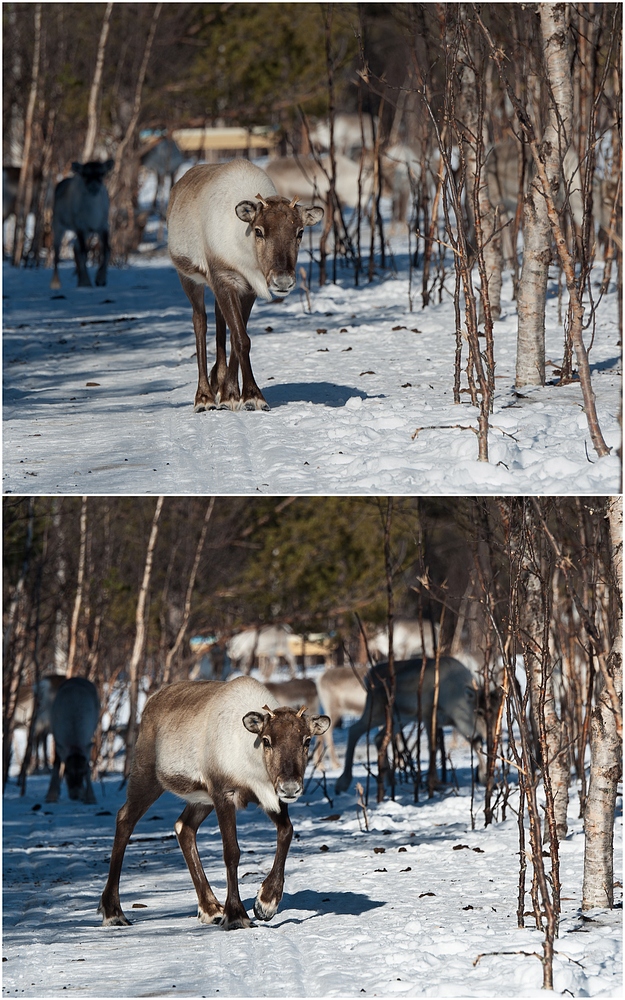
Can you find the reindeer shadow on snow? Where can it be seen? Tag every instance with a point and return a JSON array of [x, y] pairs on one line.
[[322, 393]]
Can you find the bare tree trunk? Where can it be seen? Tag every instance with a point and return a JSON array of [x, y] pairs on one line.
[[123, 229], [390, 692], [605, 747], [539, 669], [25, 187], [15, 629], [548, 170], [79, 589], [137, 652], [536, 226], [96, 86], [532, 292], [486, 241], [187, 604]]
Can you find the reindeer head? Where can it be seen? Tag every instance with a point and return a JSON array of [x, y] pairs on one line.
[[277, 226], [285, 736]]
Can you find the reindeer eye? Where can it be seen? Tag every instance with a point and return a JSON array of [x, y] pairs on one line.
[[267, 742], [307, 742], [259, 233], [300, 234]]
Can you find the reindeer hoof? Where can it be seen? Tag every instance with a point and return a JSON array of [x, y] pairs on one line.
[[264, 911], [238, 923], [214, 917], [117, 920], [201, 405], [255, 404]]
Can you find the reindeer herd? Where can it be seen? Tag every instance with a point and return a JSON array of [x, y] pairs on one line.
[[220, 745]]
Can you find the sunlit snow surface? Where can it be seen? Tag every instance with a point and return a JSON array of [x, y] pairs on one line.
[[402, 910], [348, 385]]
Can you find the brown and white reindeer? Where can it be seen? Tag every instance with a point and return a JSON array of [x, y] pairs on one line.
[[228, 229], [218, 745]]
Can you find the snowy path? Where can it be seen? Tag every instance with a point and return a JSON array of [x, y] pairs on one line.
[[402, 910], [99, 385]]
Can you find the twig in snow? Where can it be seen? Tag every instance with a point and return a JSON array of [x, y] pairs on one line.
[[360, 805]]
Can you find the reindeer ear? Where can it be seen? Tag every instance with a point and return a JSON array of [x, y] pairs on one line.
[[319, 724], [246, 211], [312, 215], [254, 722]]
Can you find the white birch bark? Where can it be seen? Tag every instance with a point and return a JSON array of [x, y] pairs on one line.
[[485, 222], [71, 656], [25, 186], [187, 604], [532, 294], [96, 86], [139, 644], [555, 758], [530, 368], [605, 748]]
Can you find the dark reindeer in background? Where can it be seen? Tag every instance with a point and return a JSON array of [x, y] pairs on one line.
[[81, 204], [228, 229], [74, 716], [460, 703]]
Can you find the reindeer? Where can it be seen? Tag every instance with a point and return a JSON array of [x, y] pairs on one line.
[[408, 639], [309, 177], [342, 692], [212, 744], [75, 712], [81, 203], [239, 261], [295, 692], [268, 645], [164, 158], [460, 704], [33, 711]]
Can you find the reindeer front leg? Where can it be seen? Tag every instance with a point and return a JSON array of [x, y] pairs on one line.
[[235, 915], [105, 253], [236, 310], [80, 256], [270, 892]]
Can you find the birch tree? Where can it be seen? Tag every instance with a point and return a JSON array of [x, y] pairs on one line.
[[606, 744], [545, 165], [25, 186], [71, 656], [187, 604], [530, 363], [96, 88], [535, 616], [123, 180], [139, 644], [471, 109]]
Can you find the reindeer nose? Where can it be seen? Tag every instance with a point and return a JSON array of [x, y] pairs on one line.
[[282, 284], [290, 790]]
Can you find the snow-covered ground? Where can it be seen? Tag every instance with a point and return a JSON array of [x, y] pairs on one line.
[[99, 388], [405, 909]]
